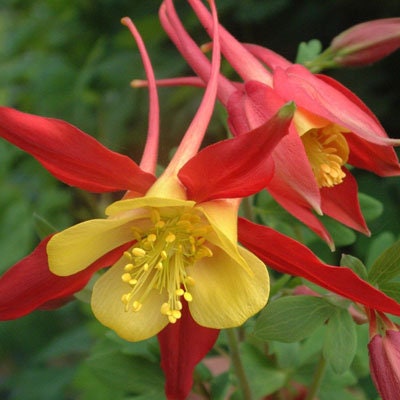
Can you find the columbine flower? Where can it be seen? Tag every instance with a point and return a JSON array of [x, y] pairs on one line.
[[384, 356], [176, 267], [331, 126]]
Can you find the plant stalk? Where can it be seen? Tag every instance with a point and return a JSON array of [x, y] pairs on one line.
[[238, 365], [316, 383]]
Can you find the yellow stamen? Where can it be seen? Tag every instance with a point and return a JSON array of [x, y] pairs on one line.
[[126, 277], [138, 252], [188, 297], [159, 260], [129, 267], [327, 151], [170, 238], [152, 237]]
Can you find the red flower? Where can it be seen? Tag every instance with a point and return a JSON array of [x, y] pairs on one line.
[[331, 127]]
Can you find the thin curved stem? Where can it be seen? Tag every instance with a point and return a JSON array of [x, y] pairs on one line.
[[318, 376], [238, 365]]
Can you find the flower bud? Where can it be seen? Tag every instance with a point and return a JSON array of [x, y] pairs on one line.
[[367, 42], [384, 356]]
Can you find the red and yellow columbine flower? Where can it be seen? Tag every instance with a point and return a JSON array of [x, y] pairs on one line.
[[331, 126], [176, 267]]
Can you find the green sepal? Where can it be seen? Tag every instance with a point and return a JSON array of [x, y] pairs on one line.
[[308, 51]]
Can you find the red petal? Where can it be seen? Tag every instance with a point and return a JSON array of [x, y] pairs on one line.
[[71, 155], [236, 167], [291, 257], [183, 345], [29, 284], [291, 201], [248, 110], [383, 163], [341, 203], [252, 107], [318, 96]]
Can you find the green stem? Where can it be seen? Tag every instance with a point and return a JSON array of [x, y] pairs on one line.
[[238, 365], [316, 383], [247, 208]]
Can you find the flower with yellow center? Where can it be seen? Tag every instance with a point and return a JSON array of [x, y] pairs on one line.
[[180, 242], [183, 254], [331, 127], [325, 145]]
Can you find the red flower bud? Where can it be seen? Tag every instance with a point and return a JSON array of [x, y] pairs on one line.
[[367, 42], [384, 355]]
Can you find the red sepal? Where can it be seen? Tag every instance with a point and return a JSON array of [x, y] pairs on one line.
[[236, 167], [183, 345], [288, 256], [30, 285], [71, 155], [341, 202]]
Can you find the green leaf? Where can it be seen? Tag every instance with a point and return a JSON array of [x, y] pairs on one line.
[[355, 264], [392, 289], [387, 266], [308, 51], [377, 246], [263, 378], [371, 208], [290, 319], [220, 386], [341, 235], [133, 373], [340, 341]]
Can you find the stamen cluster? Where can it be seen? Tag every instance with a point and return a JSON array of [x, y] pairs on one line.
[[328, 151], [160, 257]]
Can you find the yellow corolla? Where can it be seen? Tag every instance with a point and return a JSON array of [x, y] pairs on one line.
[[182, 252]]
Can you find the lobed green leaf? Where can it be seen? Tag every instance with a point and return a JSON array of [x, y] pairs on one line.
[[387, 266], [340, 341], [290, 319]]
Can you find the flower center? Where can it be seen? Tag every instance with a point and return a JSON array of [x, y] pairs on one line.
[[160, 257], [327, 151]]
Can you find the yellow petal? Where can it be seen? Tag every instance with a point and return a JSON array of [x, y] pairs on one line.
[[304, 121], [167, 186], [122, 206], [75, 248], [222, 216], [110, 311], [224, 294]]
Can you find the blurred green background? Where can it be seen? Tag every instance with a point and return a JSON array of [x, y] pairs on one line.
[[74, 60]]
